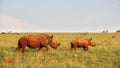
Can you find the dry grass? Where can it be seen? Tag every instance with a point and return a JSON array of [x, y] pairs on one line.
[[106, 53]]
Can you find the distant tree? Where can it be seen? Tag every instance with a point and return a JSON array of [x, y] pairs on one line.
[[118, 30], [3, 33], [105, 31]]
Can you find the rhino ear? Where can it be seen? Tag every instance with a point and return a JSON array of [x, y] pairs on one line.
[[58, 43], [52, 36], [90, 39]]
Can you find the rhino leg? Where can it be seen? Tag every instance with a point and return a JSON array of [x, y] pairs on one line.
[[85, 48], [23, 49], [17, 49], [73, 46], [46, 46], [40, 48]]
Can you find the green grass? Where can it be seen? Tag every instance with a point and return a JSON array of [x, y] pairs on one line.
[[106, 53]]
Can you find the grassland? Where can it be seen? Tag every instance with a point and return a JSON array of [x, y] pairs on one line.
[[106, 53]]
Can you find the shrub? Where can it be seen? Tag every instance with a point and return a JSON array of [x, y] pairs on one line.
[[118, 30]]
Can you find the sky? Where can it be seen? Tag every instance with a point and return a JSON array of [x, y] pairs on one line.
[[59, 15]]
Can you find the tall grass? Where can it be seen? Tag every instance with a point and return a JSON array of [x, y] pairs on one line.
[[106, 53]]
